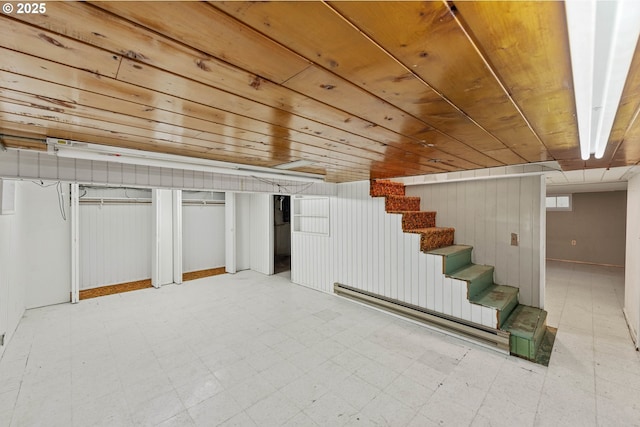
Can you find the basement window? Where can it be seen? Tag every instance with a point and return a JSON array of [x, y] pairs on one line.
[[559, 202]]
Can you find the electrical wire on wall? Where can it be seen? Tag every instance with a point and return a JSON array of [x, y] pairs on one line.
[[284, 187], [58, 185]]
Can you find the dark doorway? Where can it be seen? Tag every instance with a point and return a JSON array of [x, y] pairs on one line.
[[282, 234]]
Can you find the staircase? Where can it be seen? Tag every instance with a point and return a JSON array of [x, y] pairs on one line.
[[525, 325]]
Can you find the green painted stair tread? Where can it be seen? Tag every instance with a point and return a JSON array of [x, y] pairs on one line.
[[478, 278], [527, 326], [503, 298], [453, 257], [471, 272], [451, 250], [498, 297], [524, 321]]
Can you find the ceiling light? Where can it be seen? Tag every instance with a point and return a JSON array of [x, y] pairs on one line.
[[602, 38], [88, 151]]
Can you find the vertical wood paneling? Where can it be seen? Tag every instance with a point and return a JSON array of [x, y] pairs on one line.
[[490, 214], [476, 314], [261, 227], [114, 244], [484, 214], [632, 254], [456, 299], [415, 272], [48, 165], [369, 251], [502, 230], [10, 163], [526, 226], [540, 233], [447, 297], [465, 305], [203, 241], [513, 219], [66, 169], [422, 280]]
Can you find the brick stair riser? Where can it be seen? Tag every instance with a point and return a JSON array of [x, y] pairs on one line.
[[401, 204], [435, 240], [380, 188], [414, 220]]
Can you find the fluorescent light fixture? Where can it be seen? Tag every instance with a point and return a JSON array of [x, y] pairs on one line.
[[88, 151], [602, 38], [297, 164]]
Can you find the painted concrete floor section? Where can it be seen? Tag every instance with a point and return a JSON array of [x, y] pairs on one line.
[[247, 350]]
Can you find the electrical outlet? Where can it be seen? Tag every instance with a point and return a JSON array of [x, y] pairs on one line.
[[514, 239], [573, 243]]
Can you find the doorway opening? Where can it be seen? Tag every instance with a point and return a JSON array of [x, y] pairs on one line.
[[281, 233]]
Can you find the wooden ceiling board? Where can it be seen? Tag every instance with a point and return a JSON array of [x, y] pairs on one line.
[[211, 143], [333, 90], [629, 152], [278, 97], [193, 146], [173, 57], [145, 54], [159, 81], [505, 156], [69, 96], [89, 81], [348, 53], [186, 143], [207, 29], [34, 41], [364, 90], [624, 135], [57, 129], [527, 45], [257, 145], [425, 37]]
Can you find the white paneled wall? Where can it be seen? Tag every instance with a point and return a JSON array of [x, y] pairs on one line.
[[632, 268], [367, 250], [12, 291], [115, 244], [243, 231], [311, 261], [44, 243], [312, 258], [261, 233], [484, 214], [203, 231], [26, 164], [372, 253]]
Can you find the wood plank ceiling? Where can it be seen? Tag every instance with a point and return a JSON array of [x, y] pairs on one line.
[[361, 89]]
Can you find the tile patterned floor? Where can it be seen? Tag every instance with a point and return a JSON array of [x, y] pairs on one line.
[[249, 350]]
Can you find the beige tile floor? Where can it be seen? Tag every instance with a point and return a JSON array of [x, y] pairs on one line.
[[251, 350]]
